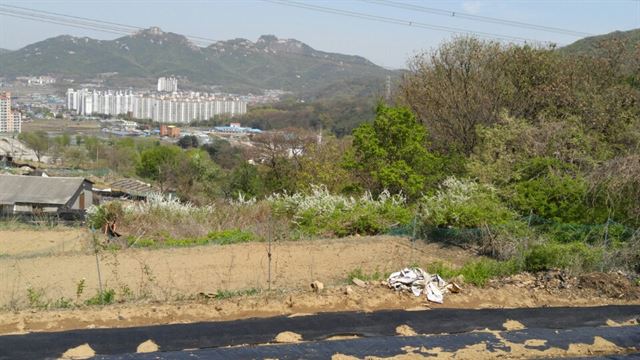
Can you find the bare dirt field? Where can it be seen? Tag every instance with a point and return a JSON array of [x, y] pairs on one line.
[[25, 243], [177, 285], [183, 272], [63, 126]]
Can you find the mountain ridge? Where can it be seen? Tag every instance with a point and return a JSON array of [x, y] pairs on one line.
[[268, 63]]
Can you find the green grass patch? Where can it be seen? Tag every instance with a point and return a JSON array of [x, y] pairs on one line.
[[362, 275], [228, 294], [478, 272], [225, 237]]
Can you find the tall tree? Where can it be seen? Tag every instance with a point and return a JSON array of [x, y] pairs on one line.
[[391, 152], [37, 141], [454, 89]]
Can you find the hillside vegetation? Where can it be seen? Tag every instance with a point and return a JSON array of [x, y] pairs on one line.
[[621, 46], [526, 154]]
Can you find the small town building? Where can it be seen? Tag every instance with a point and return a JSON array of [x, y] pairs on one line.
[[170, 131], [66, 197]]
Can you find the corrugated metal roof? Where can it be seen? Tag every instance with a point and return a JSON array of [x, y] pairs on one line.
[[38, 190], [133, 187]]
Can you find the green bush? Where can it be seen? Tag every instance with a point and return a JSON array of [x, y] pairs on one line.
[[99, 216], [368, 220], [463, 203], [322, 213], [103, 297], [614, 233], [575, 256]]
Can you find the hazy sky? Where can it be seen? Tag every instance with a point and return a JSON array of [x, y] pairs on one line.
[[385, 44]]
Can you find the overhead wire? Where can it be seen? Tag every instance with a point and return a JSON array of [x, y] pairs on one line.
[[83, 22], [58, 22], [131, 27], [480, 18], [396, 21]]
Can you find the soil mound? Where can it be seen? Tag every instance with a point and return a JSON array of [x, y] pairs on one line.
[[613, 285]]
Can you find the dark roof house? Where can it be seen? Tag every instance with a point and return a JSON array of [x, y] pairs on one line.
[[49, 195]]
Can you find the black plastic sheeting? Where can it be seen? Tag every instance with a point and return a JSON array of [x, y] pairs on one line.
[[177, 337], [391, 346]]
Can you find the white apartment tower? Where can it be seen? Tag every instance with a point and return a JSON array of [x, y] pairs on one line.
[[10, 121], [167, 84]]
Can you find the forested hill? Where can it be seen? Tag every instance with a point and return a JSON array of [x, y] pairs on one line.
[[624, 43], [268, 63]]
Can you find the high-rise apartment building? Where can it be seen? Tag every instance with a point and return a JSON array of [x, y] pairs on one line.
[[160, 107], [167, 84], [10, 120]]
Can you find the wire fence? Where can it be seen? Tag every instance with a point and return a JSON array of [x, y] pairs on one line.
[[54, 271]]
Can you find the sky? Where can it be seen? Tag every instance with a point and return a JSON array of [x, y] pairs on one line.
[[386, 44]]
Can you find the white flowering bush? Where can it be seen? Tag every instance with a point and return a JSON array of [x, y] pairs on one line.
[[464, 203], [318, 212], [242, 200], [168, 204]]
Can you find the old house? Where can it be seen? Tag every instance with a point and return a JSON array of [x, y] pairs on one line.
[[36, 195]]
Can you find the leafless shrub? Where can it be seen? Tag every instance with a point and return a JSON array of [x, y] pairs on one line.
[[617, 182]]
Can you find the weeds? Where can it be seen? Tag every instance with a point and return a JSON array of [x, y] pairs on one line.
[[37, 300], [477, 273], [36, 297], [358, 273], [105, 297], [225, 237], [80, 288], [227, 294]]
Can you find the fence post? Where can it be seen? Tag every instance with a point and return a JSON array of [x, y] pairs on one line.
[[95, 251], [269, 249], [606, 242], [413, 238]]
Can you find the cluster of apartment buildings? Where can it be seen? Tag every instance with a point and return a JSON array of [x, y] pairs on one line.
[[37, 80], [167, 84], [175, 107], [10, 120]]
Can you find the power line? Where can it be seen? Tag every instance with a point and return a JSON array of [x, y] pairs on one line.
[[396, 21], [130, 27], [480, 18], [63, 21], [57, 22]]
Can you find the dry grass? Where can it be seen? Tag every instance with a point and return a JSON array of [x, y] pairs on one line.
[[161, 224]]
